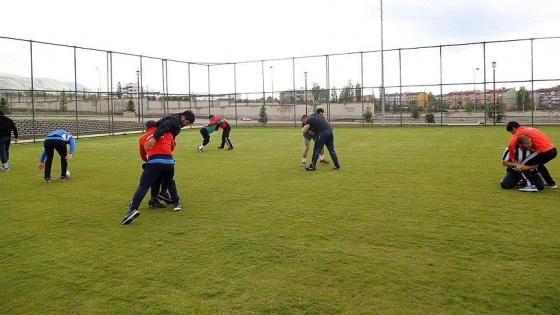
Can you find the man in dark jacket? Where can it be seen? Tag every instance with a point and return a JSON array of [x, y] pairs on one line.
[[323, 137], [6, 127], [171, 123]]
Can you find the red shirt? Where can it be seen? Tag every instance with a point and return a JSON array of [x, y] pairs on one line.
[[541, 143], [215, 121], [164, 145]]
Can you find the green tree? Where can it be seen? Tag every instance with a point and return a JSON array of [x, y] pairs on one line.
[[524, 99], [324, 95], [358, 91], [334, 96], [496, 112], [316, 92], [119, 90], [413, 104], [263, 119], [395, 106], [415, 114], [347, 94], [374, 100], [430, 118], [350, 91], [368, 115], [432, 102], [63, 101], [130, 106], [5, 106], [469, 107]]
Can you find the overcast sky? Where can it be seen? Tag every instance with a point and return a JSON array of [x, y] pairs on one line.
[[243, 30]]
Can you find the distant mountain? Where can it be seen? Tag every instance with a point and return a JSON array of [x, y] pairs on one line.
[[14, 82]]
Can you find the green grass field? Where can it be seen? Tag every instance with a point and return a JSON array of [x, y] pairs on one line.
[[414, 223]]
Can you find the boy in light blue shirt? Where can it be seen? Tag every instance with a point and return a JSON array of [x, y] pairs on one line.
[[57, 140]]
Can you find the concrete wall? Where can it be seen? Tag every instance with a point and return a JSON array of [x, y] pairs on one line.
[[40, 127], [155, 108]]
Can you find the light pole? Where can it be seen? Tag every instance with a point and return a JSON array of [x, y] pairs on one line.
[[98, 89], [474, 88], [138, 91], [99, 75], [494, 89], [272, 80], [305, 75]]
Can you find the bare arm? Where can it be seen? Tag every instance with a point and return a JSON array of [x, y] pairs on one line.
[[521, 167], [518, 166]]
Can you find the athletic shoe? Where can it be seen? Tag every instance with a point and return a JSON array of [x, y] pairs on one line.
[[5, 169], [155, 204], [311, 169], [324, 161], [230, 149], [47, 179], [64, 178], [531, 188], [199, 150], [220, 148], [336, 168], [554, 186], [130, 215], [165, 198], [304, 164], [177, 207]]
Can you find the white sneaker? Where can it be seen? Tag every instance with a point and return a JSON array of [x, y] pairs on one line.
[[531, 188]]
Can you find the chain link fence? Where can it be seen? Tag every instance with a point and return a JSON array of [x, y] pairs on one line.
[[104, 92]]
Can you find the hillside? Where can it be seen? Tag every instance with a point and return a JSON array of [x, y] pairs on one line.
[[14, 82]]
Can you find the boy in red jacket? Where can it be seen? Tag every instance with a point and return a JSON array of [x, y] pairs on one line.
[[159, 165], [545, 151]]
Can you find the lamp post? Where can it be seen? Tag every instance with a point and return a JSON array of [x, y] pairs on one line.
[[99, 74], [494, 89], [474, 88], [272, 80], [305, 75], [138, 91], [98, 90]]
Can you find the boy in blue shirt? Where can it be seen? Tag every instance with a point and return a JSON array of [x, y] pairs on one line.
[[57, 140]]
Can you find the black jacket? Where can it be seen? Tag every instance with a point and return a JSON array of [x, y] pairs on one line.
[[7, 126], [171, 123]]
